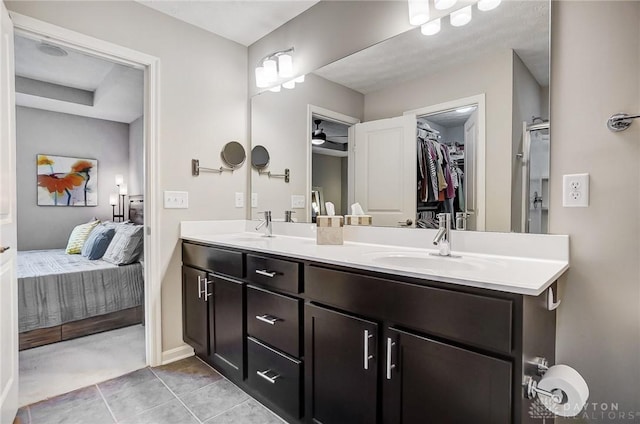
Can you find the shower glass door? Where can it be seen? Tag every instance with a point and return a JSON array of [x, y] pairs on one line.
[[536, 179]]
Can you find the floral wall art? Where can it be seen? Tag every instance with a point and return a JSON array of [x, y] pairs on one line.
[[64, 181]]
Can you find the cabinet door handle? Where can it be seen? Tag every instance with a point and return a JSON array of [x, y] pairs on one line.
[[268, 319], [271, 379], [266, 273], [200, 287], [206, 291], [390, 364], [367, 357]]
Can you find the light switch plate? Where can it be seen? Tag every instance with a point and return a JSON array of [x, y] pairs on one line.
[[254, 200], [176, 199], [297, 201], [239, 199], [575, 191]]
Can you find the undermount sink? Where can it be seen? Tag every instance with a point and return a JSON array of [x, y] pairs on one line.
[[426, 261], [250, 238]]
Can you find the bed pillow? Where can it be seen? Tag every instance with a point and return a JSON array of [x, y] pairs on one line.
[[124, 249], [78, 236], [97, 242]]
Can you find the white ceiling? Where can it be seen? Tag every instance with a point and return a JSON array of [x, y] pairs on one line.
[[519, 25], [118, 90], [243, 21]]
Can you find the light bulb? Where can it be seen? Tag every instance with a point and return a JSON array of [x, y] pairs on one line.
[[119, 179], [418, 11], [289, 84], [431, 28], [261, 79], [275, 89], [300, 79], [285, 66], [486, 5], [444, 4], [461, 17], [270, 70]]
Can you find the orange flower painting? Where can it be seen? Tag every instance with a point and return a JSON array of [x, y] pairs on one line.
[[65, 181]]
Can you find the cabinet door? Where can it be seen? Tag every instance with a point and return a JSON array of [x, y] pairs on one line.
[[194, 310], [340, 367], [431, 382], [226, 325]]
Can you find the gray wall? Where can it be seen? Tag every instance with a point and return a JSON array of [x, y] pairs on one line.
[[203, 105], [136, 157], [59, 134], [594, 74]]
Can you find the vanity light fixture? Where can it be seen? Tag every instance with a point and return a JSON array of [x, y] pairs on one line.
[[444, 4], [289, 84], [275, 89], [486, 5], [460, 17], [274, 67], [431, 28], [300, 79], [418, 11]]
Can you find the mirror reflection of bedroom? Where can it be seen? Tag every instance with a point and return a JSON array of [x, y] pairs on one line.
[[80, 179]]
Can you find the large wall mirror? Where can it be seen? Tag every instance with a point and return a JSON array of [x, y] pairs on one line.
[[416, 125]]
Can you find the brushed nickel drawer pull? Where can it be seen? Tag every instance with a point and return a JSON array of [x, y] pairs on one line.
[[206, 291], [268, 319], [266, 273], [271, 379], [200, 291], [367, 357], [390, 364]]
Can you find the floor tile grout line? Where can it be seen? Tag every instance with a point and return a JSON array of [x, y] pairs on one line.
[[176, 396], [104, 399], [227, 410]]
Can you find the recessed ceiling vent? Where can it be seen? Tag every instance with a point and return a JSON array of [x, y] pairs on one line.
[[51, 50]]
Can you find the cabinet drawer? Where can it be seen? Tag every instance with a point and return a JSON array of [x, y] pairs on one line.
[[275, 376], [213, 259], [468, 318], [275, 273], [274, 319]]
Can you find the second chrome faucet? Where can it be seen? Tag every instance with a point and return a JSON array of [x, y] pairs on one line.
[[266, 223], [443, 236]]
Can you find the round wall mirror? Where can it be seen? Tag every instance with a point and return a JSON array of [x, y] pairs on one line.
[[233, 154], [259, 157]]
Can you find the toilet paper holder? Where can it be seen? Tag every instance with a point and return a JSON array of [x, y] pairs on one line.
[[542, 366]]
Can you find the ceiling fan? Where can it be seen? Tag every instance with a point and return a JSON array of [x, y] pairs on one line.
[[319, 137]]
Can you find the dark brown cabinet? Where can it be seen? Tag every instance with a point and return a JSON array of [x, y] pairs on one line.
[[195, 329], [429, 381], [341, 367], [226, 329]]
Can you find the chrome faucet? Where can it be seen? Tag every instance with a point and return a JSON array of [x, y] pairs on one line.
[[287, 216], [443, 237], [266, 223]]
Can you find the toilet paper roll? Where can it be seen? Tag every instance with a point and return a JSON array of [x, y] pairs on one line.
[[574, 389]]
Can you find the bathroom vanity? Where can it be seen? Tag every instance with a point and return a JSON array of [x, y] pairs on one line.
[[369, 333]]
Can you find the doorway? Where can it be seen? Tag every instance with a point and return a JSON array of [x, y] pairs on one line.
[[64, 39]]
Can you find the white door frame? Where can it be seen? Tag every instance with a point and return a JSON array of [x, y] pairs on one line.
[[332, 116], [30, 27], [481, 145]]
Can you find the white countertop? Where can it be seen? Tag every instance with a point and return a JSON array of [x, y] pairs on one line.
[[506, 273]]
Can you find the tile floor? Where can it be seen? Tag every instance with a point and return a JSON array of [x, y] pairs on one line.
[[183, 392]]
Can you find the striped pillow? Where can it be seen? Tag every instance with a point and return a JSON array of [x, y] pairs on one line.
[[78, 236], [124, 248]]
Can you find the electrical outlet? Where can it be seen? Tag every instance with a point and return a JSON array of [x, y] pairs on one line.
[[176, 199], [239, 200], [575, 191], [254, 200], [297, 201]]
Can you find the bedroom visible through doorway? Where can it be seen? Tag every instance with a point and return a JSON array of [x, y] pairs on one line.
[[80, 196]]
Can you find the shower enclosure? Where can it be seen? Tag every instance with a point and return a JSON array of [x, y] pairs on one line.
[[535, 178]]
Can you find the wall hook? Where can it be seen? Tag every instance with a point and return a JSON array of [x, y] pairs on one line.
[[620, 121]]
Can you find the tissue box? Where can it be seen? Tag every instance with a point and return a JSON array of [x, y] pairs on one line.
[[357, 219], [329, 229]]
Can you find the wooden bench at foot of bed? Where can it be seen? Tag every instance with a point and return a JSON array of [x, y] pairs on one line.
[[83, 327]]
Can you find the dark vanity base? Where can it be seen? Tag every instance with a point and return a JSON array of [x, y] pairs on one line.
[[326, 344]]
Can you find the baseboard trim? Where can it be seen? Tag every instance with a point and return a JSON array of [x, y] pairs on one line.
[[176, 354]]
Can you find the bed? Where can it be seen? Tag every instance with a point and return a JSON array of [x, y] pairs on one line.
[[61, 296]]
